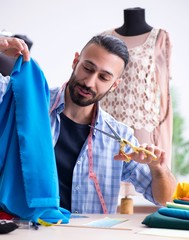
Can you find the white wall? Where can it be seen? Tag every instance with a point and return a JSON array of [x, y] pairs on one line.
[[58, 28]]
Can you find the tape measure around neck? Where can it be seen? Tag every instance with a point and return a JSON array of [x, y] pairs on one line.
[[92, 174]]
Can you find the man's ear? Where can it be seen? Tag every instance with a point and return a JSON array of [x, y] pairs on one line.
[[116, 83], [76, 59]]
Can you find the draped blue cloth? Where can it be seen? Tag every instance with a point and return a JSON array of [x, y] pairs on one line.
[[28, 174]]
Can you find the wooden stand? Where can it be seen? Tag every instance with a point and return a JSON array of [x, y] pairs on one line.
[[126, 206]]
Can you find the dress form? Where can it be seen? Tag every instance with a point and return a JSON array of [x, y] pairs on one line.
[[134, 23], [142, 100], [149, 62]]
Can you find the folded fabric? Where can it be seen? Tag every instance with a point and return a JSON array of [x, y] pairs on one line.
[[173, 212], [7, 227], [182, 190], [157, 220], [54, 215], [177, 205], [185, 199], [5, 216], [179, 201], [28, 174]]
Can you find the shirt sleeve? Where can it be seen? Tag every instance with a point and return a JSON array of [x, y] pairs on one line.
[[3, 85], [139, 175]]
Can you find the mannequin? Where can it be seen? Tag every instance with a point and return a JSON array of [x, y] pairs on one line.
[[142, 99], [134, 23]]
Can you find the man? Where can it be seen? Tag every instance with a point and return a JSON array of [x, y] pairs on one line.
[[89, 176]]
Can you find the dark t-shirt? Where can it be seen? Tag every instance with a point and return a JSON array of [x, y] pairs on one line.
[[71, 139]]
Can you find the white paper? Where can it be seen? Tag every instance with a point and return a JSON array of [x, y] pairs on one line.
[[166, 232]]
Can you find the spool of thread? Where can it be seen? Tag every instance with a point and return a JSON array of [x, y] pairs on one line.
[[126, 206]]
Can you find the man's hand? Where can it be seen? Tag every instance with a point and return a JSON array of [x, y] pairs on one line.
[[163, 181], [142, 157], [14, 47]]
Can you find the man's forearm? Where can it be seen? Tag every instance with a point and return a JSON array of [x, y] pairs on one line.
[[163, 183]]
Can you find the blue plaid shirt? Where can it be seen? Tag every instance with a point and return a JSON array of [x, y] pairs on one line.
[[109, 172]]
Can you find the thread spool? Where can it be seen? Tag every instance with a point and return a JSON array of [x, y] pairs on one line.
[[126, 206]]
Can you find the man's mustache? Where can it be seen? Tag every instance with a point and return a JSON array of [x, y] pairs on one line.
[[87, 89]]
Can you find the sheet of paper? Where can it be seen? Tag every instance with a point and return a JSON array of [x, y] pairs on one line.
[[166, 232], [105, 222]]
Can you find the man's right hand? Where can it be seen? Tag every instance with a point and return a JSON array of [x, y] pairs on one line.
[[14, 47]]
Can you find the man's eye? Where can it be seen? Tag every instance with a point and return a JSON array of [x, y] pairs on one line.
[[87, 69], [104, 78]]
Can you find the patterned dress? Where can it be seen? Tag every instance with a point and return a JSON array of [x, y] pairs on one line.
[[142, 99]]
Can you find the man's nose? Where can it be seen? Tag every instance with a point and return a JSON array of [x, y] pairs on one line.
[[90, 81]]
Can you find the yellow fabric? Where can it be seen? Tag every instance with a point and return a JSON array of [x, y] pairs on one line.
[[182, 190]]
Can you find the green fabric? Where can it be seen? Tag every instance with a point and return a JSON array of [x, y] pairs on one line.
[[157, 220], [177, 206], [181, 202]]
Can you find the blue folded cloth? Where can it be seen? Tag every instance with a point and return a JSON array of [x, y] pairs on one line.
[[28, 175], [173, 212]]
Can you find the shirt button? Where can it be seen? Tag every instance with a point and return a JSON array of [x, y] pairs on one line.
[[76, 211], [78, 162], [77, 188]]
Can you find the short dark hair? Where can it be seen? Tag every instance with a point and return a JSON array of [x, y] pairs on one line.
[[112, 44]]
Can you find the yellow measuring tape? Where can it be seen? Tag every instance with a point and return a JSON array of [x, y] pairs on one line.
[[48, 224]]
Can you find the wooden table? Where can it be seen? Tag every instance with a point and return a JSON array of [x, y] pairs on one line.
[[75, 230]]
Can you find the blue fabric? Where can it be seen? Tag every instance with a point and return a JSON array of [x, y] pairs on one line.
[[173, 212], [28, 174]]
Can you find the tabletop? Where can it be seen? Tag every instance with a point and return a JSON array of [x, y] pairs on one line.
[[131, 227]]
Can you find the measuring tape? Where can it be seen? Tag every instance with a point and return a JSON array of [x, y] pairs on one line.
[[48, 224], [92, 174]]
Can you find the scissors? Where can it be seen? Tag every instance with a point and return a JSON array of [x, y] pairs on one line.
[[123, 142]]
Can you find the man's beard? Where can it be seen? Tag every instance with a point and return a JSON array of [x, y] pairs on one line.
[[79, 99]]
